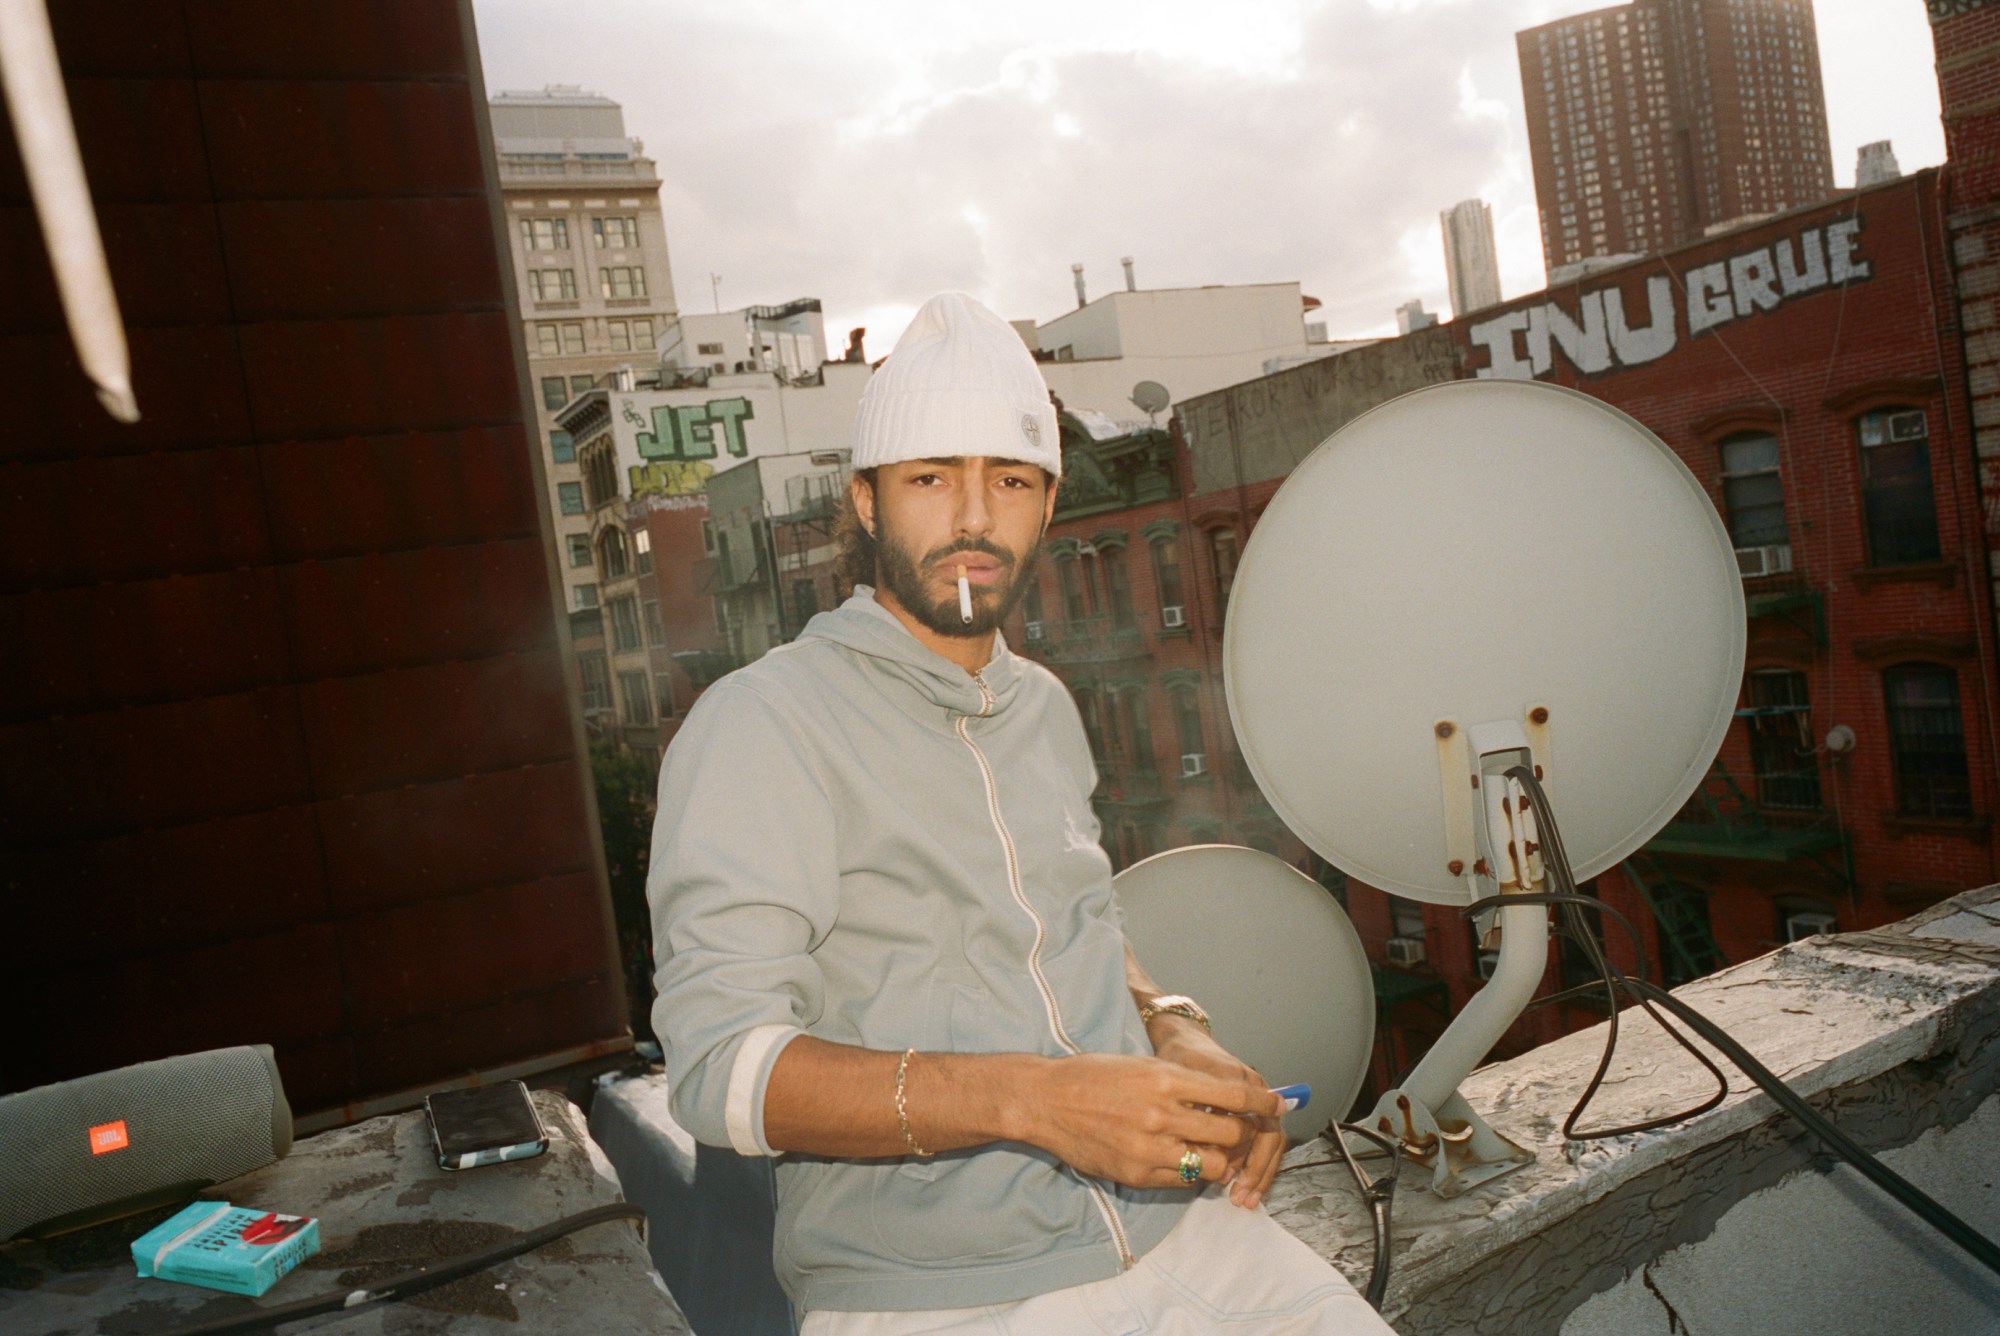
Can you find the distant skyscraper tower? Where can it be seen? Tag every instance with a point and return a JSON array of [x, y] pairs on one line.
[[1411, 316], [1653, 122], [1875, 164], [1470, 264]]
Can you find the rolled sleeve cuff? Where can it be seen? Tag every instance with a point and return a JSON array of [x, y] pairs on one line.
[[743, 1110]]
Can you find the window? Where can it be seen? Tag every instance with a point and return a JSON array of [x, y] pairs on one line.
[[600, 473], [586, 597], [1136, 729], [572, 337], [642, 548], [663, 684], [1222, 554], [630, 335], [624, 624], [1753, 497], [548, 341], [1086, 564], [1117, 585], [1897, 503], [638, 696], [805, 601], [1927, 741], [1070, 579], [1187, 722], [1031, 609], [541, 234], [596, 680], [1167, 578], [563, 446], [708, 350], [570, 496], [656, 630], [708, 537], [622, 281], [615, 233], [1093, 724], [1406, 918], [1783, 752], [611, 554], [555, 392], [579, 549], [548, 285], [581, 385]]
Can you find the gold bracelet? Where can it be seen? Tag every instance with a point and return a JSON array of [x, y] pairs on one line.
[[903, 1109]]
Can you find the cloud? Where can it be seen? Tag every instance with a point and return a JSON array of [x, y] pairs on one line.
[[873, 153]]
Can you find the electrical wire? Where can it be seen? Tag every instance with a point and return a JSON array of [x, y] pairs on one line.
[[412, 1282], [1377, 1194], [1646, 994]]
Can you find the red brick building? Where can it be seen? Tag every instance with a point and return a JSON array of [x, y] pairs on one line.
[[1832, 375]]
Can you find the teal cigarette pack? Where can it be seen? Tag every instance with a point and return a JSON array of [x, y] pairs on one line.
[[226, 1247]]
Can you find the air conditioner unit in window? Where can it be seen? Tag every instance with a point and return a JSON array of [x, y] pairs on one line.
[[1774, 559], [1488, 962], [1173, 615], [1406, 951], [1193, 763], [1907, 426], [1034, 631], [1807, 923]]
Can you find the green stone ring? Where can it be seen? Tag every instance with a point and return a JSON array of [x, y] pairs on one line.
[[1190, 1165]]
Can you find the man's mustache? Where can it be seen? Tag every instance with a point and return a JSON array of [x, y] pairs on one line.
[[979, 545]]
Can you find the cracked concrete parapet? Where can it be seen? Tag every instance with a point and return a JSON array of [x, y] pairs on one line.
[[1894, 1034]]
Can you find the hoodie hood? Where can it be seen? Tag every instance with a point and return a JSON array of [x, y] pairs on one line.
[[866, 627]]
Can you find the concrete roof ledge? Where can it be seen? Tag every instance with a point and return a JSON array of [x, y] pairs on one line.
[[1892, 1033]]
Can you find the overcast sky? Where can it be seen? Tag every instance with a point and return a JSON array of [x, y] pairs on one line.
[[878, 151]]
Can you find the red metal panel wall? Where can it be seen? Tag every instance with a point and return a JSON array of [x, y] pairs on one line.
[[289, 754]]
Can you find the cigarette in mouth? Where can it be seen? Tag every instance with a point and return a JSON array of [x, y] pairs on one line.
[[964, 597]]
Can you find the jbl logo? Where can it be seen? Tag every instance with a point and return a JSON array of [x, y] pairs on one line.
[[107, 1137]]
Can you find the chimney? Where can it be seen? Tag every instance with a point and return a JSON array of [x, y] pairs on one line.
[[1131, 283], [854, 337], [1077, 270]]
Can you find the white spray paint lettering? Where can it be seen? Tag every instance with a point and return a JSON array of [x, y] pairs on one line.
[[1521, 344]]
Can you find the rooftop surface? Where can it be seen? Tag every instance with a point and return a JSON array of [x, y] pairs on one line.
[[1734, 1221]]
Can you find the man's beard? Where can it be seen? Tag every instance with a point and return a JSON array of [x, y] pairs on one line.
[[902, 575]]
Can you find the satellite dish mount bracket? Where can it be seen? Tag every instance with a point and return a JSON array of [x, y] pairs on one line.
[[1487, 815]]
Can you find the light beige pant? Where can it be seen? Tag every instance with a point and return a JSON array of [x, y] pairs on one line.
[[1222, 1269]]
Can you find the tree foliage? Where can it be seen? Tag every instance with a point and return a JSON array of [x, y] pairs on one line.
[[625, 789]]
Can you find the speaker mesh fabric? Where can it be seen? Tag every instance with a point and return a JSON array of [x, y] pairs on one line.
[[195, 1119]]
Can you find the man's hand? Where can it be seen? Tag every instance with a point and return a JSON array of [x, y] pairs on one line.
[[1253, 1162], [1129, 1119]]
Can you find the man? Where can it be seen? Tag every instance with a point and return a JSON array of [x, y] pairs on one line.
[[888, 950]]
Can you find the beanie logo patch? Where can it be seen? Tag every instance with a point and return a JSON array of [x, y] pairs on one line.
[[1032, 429]]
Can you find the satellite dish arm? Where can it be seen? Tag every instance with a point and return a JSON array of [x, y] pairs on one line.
[[1426, 1113]]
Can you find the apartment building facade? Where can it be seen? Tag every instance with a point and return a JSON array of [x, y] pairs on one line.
[[588, 244], [1653, 122]]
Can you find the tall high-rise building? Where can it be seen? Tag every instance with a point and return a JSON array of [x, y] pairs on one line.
[[589, 249], [1876, 163], [1471, 265], [1653, 122]]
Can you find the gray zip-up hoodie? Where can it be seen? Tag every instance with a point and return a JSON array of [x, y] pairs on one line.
[[859, 841]]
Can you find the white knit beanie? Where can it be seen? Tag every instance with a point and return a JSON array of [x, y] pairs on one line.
[[960, 382]]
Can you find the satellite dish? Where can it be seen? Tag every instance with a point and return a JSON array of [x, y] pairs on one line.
[[1151, 397], [1272, 958], [1482, 553]]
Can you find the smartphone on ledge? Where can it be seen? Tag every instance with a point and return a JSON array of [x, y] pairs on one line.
[[485, 1125]]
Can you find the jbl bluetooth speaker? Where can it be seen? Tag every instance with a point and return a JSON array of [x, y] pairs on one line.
[[99, 1147]]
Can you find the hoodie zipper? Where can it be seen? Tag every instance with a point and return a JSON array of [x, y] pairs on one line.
[[1126, 1260]]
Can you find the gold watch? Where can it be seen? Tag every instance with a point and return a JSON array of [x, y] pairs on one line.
[[1177, 1005]]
